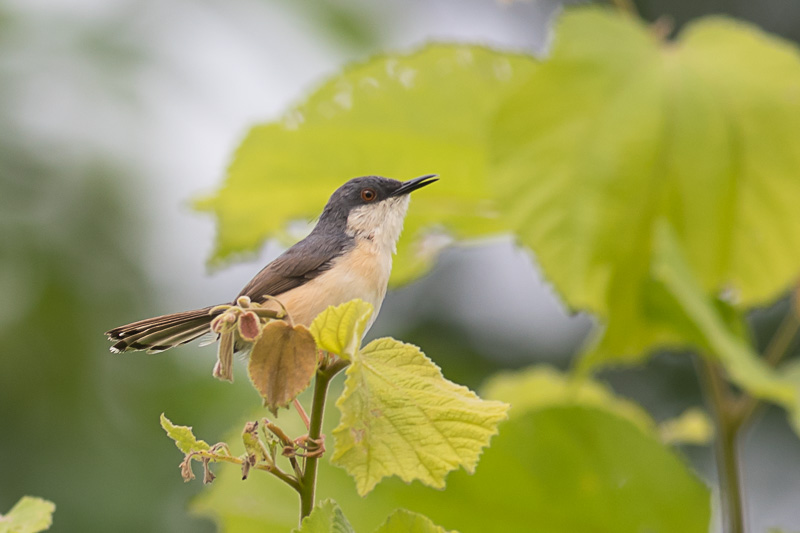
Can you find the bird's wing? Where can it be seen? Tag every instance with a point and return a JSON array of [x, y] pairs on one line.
[[296, 266]]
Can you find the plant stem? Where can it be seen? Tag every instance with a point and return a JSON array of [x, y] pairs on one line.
[[272, 469], [308, 483], [626, 6], [726, 451], [777, 349]]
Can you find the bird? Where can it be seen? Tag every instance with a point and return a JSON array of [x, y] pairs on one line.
[[347, 256]]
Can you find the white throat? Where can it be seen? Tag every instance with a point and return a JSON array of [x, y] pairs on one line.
[[380, 223]]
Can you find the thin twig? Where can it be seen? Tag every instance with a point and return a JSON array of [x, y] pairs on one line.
[[777, 349], [285, 441], [274, 470]]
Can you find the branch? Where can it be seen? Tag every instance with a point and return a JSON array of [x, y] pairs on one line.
[[724, 407], [308, 483]]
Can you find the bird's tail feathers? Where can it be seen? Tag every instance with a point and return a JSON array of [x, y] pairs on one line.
[[162, 332]]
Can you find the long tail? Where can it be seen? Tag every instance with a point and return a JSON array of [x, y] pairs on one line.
[[162, 332]]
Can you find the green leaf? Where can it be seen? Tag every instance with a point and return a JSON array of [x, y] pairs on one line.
[[401, 417], [29, 515], [563, 469], [183, 436], [399, 116], [282, 362], [339, 329], [326, 517], [403, 521], [543, 386], [700, 132]]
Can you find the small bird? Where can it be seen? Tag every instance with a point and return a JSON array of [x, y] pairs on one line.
[[347, 255]]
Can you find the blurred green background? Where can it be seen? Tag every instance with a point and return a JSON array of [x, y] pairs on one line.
[[114, 115]]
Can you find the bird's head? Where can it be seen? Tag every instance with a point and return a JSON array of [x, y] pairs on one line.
[[372, 206]]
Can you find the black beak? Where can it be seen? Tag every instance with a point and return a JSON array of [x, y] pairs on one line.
[[416, 183]]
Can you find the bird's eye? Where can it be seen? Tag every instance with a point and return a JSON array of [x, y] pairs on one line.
[[368, 195]]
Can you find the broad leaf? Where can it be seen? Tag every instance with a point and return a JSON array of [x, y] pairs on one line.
[[402, 521], [619, 129], [339, 329], [282, 362], [562, 469], [29, 515], [398, 116], [401, 417], [327, 517], [183, 436], [542, 386]]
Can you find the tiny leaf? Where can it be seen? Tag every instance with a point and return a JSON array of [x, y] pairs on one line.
[[339, 329], [327, 517], [401, 417], [183, 436], [403, 521], [29, 515], [282, 363]]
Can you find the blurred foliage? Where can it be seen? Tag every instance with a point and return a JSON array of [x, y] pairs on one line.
[[557, 453], [76, 423], [397, 116], [327, 517], [351, 25], [29, 515], [636, 131], [71, 415], [708, 331]]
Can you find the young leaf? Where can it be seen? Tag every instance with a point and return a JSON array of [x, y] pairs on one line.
[[29, 515], [339, 329], [700, 131], [397, 115], [282, 363], [401, 417], [326, 517], [402, 521], [183, 436]]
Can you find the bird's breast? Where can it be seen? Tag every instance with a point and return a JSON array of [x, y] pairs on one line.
[[363, 272]]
